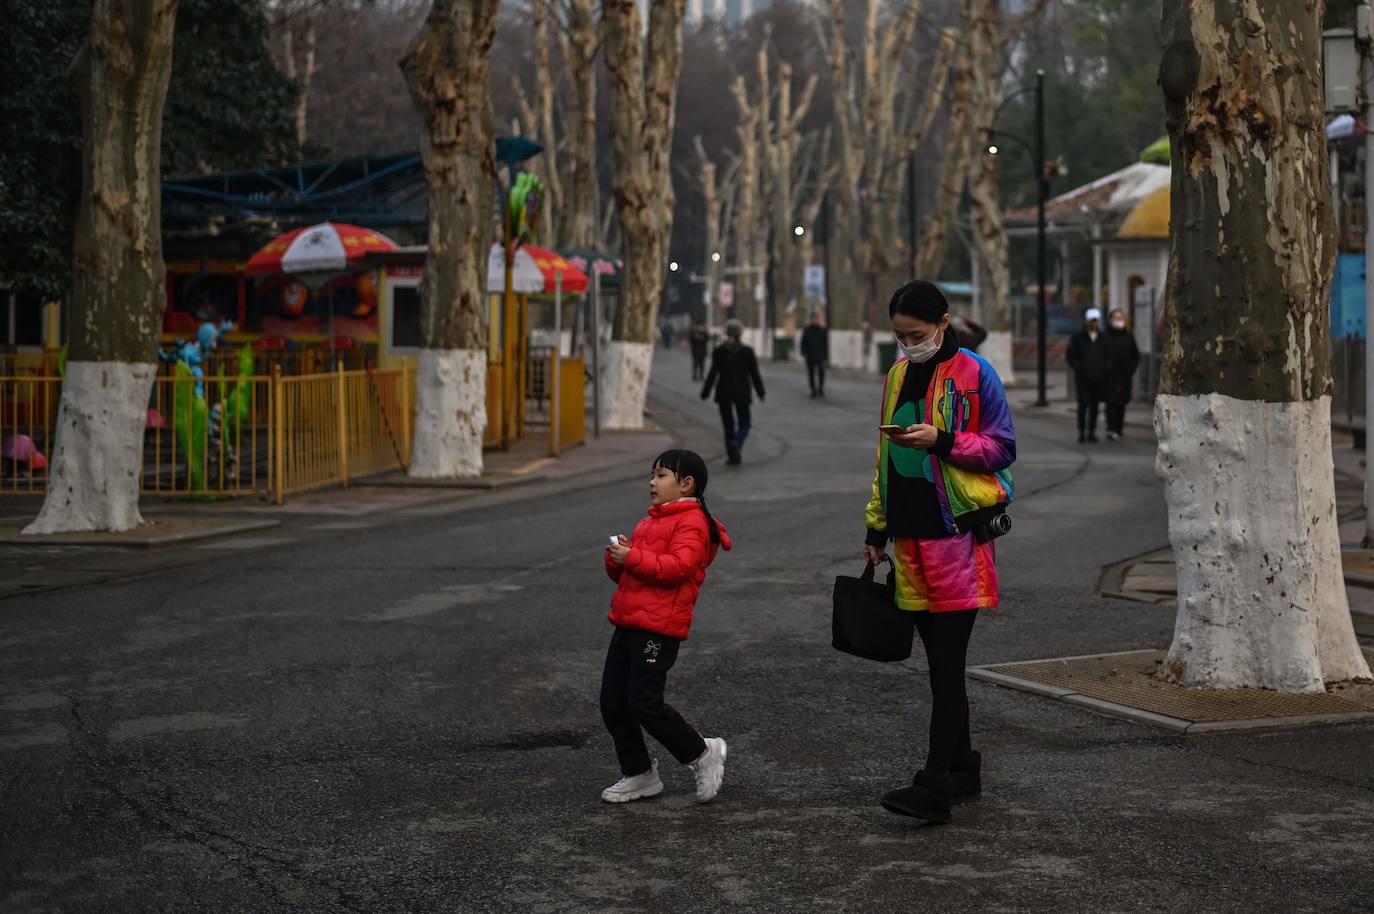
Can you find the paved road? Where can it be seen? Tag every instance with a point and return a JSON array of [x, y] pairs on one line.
[[406, 720]]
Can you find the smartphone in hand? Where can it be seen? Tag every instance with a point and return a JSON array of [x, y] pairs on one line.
[[892, 429]]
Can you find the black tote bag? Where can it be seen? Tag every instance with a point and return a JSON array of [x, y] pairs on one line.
[[867, 623]]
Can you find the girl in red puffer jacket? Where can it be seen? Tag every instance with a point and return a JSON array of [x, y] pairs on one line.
[[659, 571]]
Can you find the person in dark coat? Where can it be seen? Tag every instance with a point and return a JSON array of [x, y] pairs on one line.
[[733, 369], [815, 348], [699, 338], [971, 333], [1123, 357], [1088, 358]]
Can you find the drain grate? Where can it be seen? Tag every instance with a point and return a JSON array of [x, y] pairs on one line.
[[1127, 681]]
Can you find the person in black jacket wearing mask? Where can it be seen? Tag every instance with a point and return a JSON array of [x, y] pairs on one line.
[[1123, 356], [1088, 359], [733, 369], [815, 348]]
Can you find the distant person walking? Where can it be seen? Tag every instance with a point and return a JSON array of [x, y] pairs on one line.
[[667, 332], [1123, 357], [815, 347], [699, 338], [734, 368], [971, 333], [1088, 358]]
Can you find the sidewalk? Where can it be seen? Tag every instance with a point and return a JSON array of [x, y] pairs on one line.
[[181, 532]]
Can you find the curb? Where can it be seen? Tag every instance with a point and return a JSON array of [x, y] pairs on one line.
[[145, 542], [481, 483], [1150, 718]]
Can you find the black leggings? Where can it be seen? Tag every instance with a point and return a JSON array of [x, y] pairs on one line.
[[945, 638]]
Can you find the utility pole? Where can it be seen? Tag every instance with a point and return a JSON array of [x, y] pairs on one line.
[[1042, 181]]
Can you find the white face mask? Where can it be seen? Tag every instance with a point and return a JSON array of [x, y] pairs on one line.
[[923, 351], [1119, 325]]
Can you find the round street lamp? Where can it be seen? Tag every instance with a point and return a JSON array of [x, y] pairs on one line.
[[993, 150], [715, 256], [799, 231], [672, 265]]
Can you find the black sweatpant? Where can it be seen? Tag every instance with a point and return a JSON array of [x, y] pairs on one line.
[[1089, 395], [945, 638], [1116, 417], [815, 373], [637, 665]]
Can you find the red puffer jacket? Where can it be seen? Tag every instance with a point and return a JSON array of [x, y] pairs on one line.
[[662, 575]]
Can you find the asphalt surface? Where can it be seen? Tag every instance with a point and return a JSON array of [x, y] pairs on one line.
[[405, 719]]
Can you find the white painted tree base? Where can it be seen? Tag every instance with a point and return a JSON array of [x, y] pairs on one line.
[[625, 384], [96, 463], [450, 413], [997, 349], [1252, 521], [847, 350]]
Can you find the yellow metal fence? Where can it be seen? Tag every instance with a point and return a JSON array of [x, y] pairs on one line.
[[269, 435]]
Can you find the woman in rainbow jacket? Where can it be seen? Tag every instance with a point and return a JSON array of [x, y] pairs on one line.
[[939, 496]]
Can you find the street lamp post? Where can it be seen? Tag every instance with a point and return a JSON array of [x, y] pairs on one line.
[[1042, 182]]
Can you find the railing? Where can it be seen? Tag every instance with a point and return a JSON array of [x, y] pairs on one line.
[[28, 414], [230, 435], [339, 426], [304, 361], [210, 437]]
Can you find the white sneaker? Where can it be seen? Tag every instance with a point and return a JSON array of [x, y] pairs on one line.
[[638, 787], [710, 769]]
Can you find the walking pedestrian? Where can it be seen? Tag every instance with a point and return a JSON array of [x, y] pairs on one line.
[[699, 338], [1087, 357], [1123, 357], [971, 333], [734, 368], [943, 481], [667, 332], [658, 572], [815, 347]]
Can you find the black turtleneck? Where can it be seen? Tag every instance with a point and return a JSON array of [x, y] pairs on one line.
[[913, 510]]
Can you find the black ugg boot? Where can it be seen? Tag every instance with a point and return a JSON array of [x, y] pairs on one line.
[[967, 775], [928, 797]]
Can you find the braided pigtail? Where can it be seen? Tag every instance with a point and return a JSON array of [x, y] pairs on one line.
[[710, 521]]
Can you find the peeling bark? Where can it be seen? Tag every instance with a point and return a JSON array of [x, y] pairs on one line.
[[710, 196], [949, 187], [989, 232], [579, 43], [643, 68], [782, 143], [446, 70], [874, 138], [118, 272], [540, 122], [748, 229], [1243, 415]]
